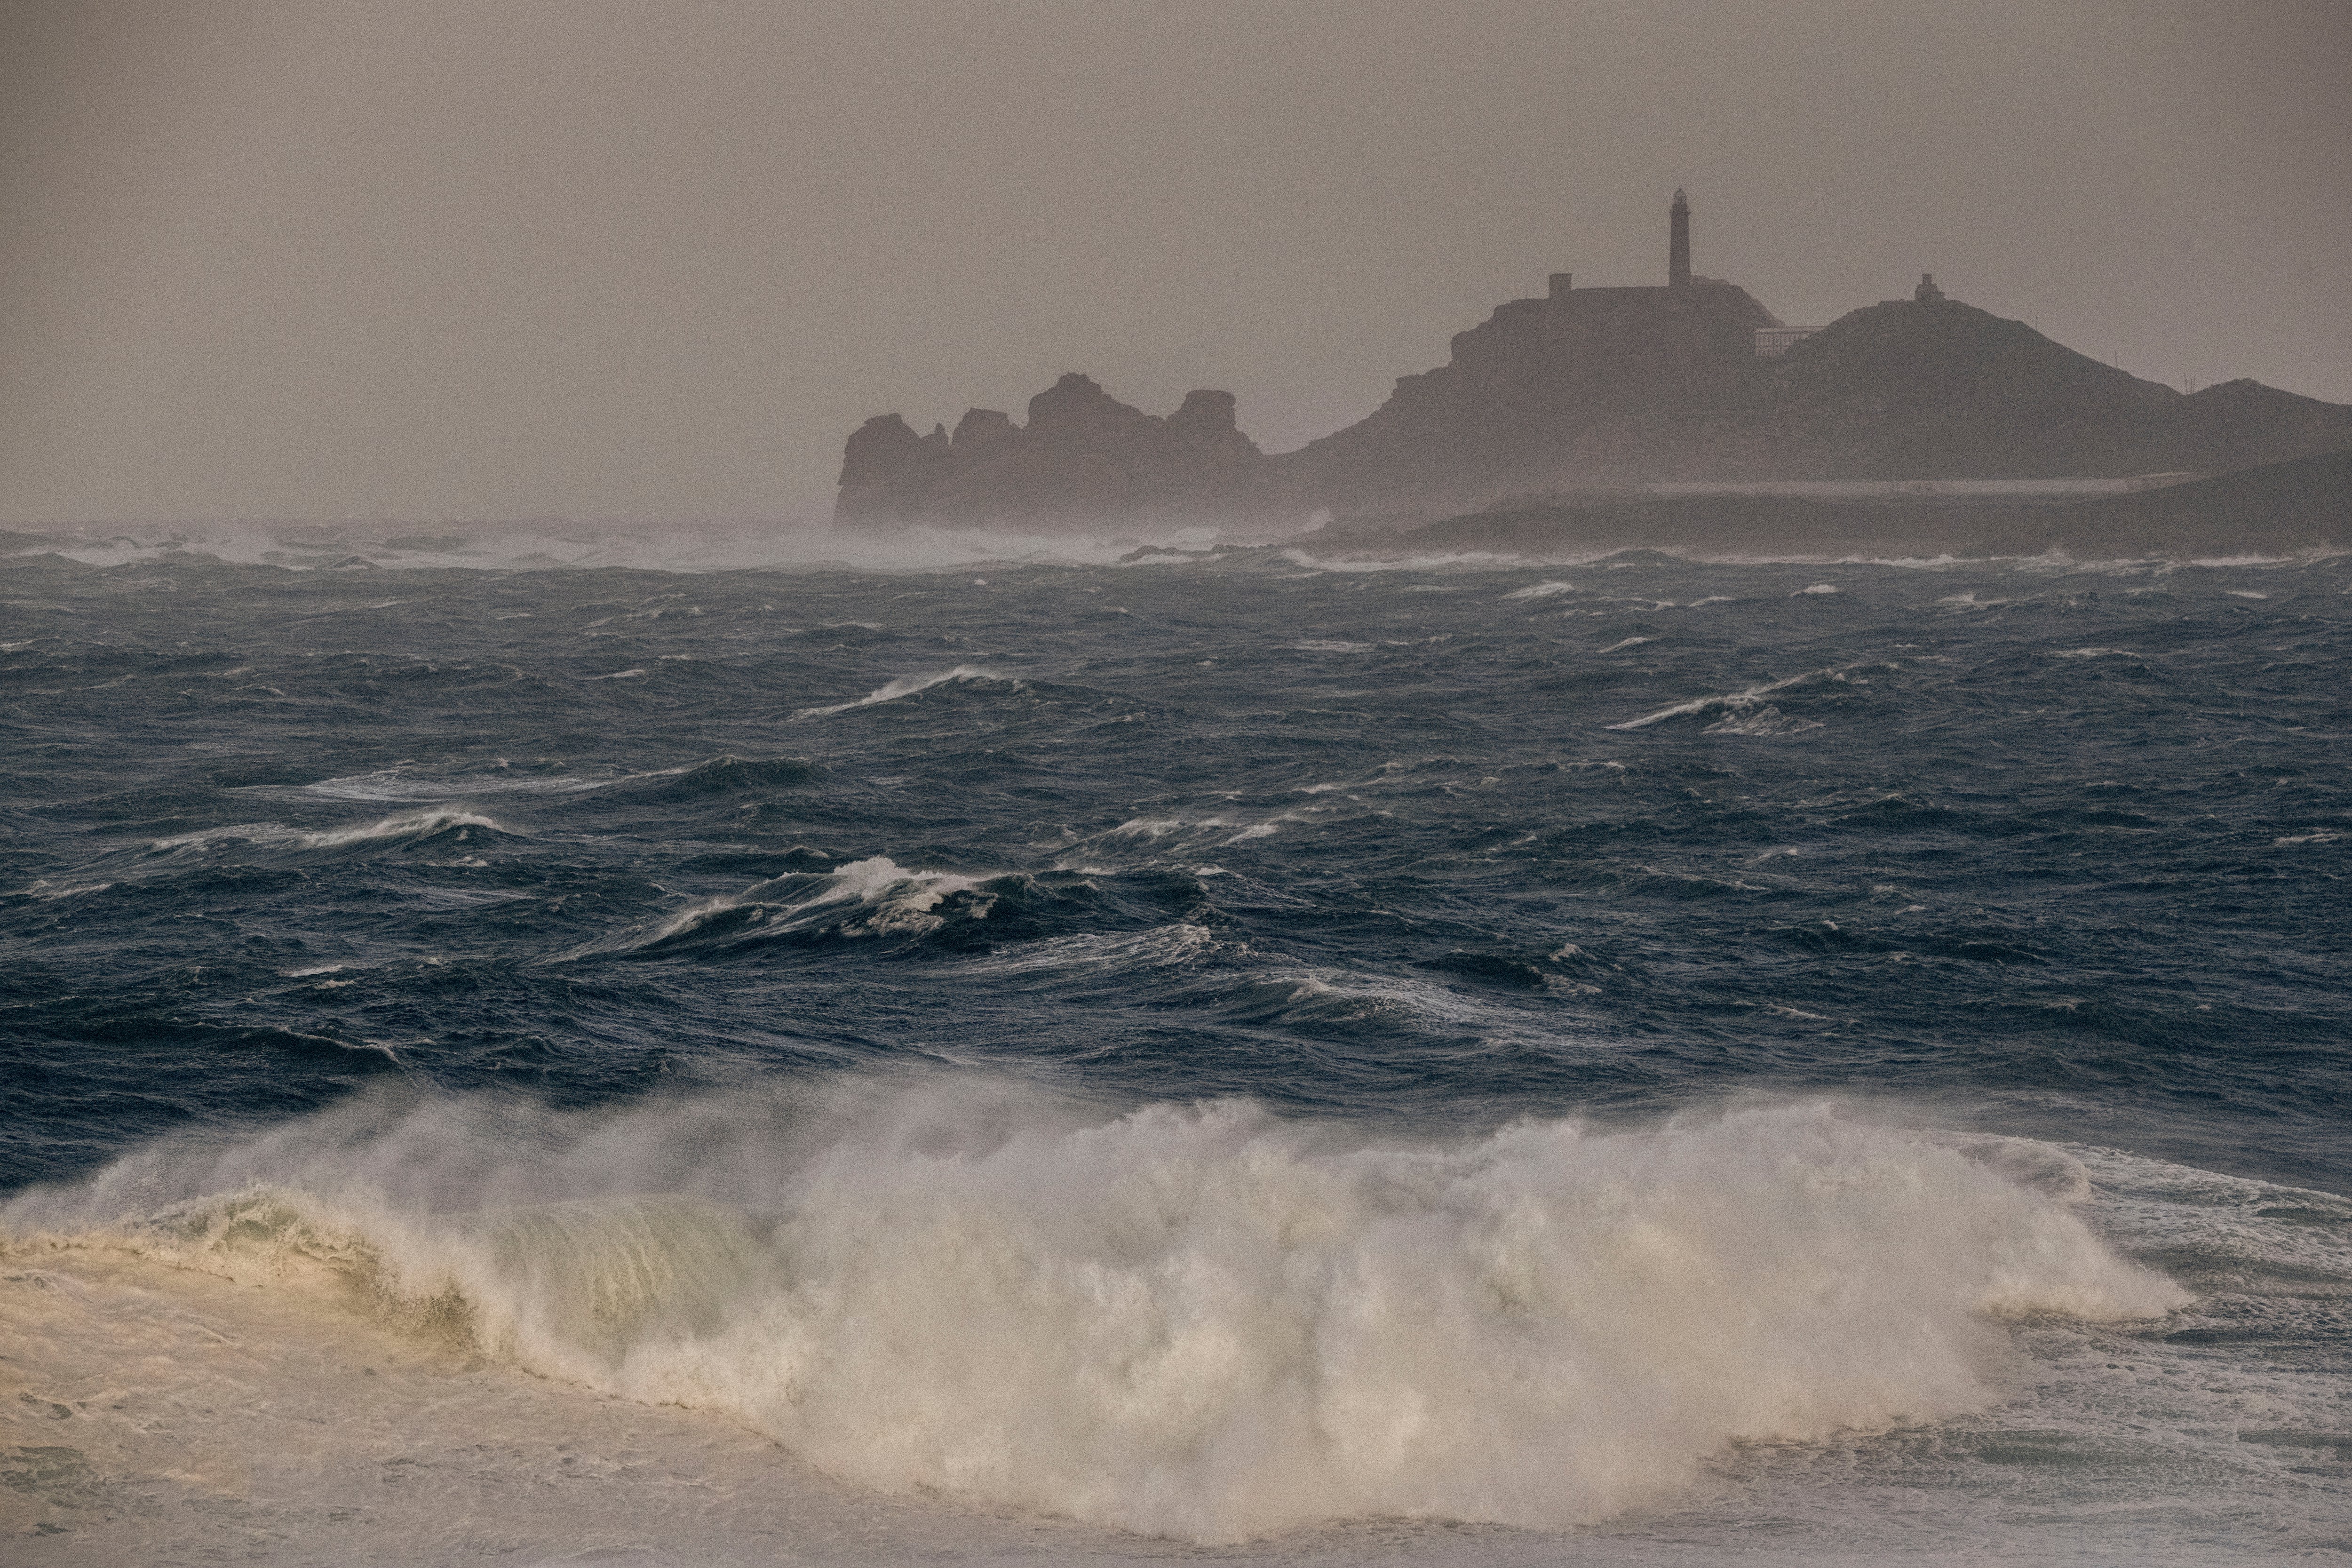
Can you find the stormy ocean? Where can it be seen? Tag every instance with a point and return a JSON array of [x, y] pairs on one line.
[[521, 1051]]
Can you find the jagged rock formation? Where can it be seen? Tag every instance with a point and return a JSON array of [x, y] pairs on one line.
[[1590, 388], [1085, 459]]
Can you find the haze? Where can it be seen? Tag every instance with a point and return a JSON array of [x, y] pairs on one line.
[[618, 261]]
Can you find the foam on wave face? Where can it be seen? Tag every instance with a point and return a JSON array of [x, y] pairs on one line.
[[403, 825], [907, 686], [1201, 1321], [1734, 702], [873, 897]]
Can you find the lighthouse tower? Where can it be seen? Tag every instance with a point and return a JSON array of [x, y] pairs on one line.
[[1679, 246]]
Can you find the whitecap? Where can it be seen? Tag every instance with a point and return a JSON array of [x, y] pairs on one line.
[[1733, 701], [907, 685], [408, 824], [394, 785], [873, 897]]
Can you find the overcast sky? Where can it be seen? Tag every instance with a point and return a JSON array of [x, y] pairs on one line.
[[427, 259]]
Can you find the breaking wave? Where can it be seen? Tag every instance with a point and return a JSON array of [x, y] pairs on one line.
[[869, 898], [1198, 1320], [1731, 702], [907, 685]]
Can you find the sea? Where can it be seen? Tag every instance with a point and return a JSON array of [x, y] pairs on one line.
[[720, 1046]]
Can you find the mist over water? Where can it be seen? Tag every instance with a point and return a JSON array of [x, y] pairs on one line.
[[1087, 1052]]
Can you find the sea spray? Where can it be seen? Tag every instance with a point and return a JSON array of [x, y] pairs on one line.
[[1198, 1320]]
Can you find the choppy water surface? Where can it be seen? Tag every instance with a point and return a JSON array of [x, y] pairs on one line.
[[1637, 1060]]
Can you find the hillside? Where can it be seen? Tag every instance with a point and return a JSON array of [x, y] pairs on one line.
[[2275, 508], [2271, 510], [1937, 388], [1589, 385]]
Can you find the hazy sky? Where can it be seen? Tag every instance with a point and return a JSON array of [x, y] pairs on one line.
[[513, 258]]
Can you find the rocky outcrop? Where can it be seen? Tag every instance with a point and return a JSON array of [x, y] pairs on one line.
[[1590, 389], [1084, 460]]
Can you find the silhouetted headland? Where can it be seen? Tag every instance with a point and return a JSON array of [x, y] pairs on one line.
[[1562, 405]]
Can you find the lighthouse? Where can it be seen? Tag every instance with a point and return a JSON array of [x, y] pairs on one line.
[[1678, 245]]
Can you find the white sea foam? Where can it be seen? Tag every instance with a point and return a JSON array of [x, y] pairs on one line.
[[1734, 702], [393, 783], [1765, 720], [45, 889], [1629, 642], [1228, 831], [1177, 944], [405, 825], [1200, 1321], [534, 546], [1430, 562], [1540, 590], [873, 897], [907, 686]]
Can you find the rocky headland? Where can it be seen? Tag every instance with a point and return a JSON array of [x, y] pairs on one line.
[[1562, 400]]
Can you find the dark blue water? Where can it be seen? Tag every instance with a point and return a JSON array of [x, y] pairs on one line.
[[2041, 850], [2056, 850]]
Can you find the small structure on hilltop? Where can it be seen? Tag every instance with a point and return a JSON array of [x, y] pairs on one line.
[[1678, 273]]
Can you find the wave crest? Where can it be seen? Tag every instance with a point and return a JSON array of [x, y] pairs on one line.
[[908, 686], [1194, 1321]]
